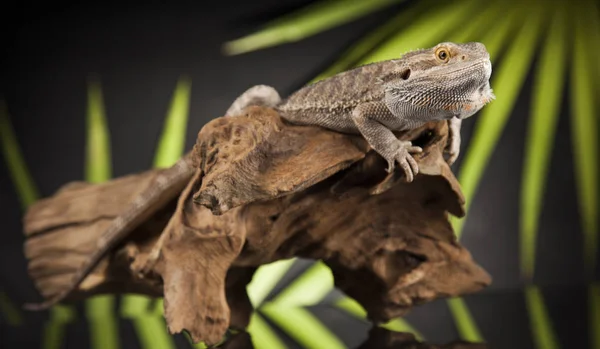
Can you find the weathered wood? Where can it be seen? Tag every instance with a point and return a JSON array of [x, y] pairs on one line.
[[266, 190]]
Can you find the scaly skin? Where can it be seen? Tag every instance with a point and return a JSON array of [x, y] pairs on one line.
[[446, 82]]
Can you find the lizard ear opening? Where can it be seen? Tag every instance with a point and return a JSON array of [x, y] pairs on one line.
[[405, 74]]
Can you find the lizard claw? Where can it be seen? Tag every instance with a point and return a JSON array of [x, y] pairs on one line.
[[453, 146], [405, 160], [452, 156], [452, 149]]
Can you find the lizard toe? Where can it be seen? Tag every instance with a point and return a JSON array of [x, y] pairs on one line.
[[414, 149], [390, 168], [452, 158], [407, 169], [413, 165]]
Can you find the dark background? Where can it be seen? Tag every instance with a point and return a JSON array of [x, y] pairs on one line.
[[139, 52]]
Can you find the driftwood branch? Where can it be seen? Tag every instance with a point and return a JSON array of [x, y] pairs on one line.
[[263, 191]]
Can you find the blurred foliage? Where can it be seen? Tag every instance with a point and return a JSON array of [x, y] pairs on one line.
[[515, 32], [98, 169]]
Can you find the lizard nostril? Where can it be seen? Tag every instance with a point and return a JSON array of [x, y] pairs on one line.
[[405, 74], [463, 57]]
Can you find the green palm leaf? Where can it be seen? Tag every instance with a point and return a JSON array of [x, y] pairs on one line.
[[54, 329], [352, 55], [584, 128], [426, 30], [27, 192], [547, 97], [99, 309], [265, 278], [306, 22], [354, 308], [314, 335], [507, 83], [9, 311], [262, 334], [172, 141], [307, 289], [543, 335], [548, 89], [98, 166], [464, 321], [150, 324], [494, 40], [21, 178]]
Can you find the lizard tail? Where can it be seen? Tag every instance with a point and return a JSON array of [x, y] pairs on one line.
[[259, 95]]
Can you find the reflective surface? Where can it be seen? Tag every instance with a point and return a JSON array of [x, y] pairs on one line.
[[378, 338]]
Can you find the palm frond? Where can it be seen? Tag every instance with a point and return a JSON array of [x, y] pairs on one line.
[[9, 311], [584, 128], [541, 326], [473, 30], [27, 192], [308, 21], [262, 334], [426, 30], [477, 27], [21, 178], [354, 308], [590, 19], [494, 41], [307, 289], [507, 83], [464, 321], [148, 322], [265, 278], [55, 328], [369, 42], [547, 96], [98, 163], [314, 335], [99, 309], [172, 141]]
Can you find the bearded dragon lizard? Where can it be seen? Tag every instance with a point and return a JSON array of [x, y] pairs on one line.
[[446, 82]]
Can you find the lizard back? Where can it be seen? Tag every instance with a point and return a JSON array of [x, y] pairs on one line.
[[338, 95]]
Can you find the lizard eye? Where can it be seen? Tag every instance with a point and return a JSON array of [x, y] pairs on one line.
[[442, 54]]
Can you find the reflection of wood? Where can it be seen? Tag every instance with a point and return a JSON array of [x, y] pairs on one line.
[[266, 190], [380, 338]]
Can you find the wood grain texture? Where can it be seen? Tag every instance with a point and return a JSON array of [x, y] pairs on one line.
[[266, 190]]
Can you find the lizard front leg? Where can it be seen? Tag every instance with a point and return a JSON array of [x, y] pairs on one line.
[[369, 119], [453, 144]]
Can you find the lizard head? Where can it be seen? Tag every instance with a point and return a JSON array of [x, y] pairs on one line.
[[449, 79]]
